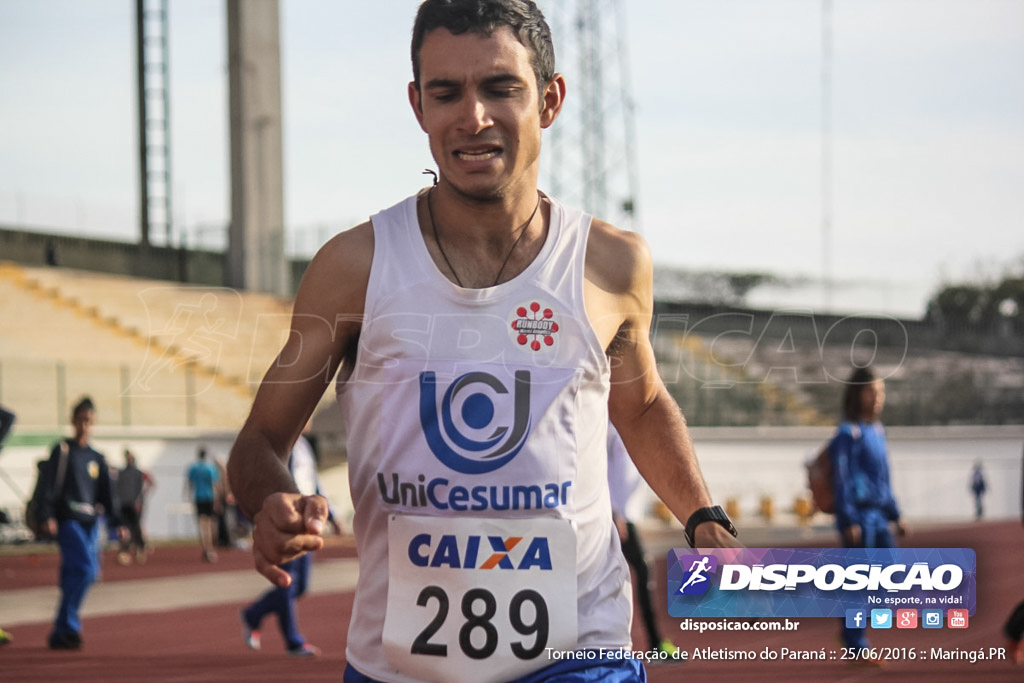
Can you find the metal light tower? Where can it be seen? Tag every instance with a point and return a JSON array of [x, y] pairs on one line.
[[592, 146], [154, 110]]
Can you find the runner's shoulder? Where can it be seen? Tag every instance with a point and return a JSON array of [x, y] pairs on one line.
[[617, 260]]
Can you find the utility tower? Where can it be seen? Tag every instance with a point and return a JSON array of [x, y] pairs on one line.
[[255, 258], [154, 110], [591, 148]]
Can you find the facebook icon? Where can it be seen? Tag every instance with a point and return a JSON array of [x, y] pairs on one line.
[[856, 618]]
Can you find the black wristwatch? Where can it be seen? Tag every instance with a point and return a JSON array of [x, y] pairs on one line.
[[711, 514]]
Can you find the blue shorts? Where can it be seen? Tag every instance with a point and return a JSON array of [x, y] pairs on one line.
[[596, 670]]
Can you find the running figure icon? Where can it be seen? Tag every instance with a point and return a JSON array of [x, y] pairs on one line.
[[696, 570]]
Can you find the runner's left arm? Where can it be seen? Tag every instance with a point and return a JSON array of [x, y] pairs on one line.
[[620, 301]]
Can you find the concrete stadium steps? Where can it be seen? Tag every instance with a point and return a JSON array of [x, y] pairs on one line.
[[719, 388], [150, 353], [234, 335], [923, 385], [38, 326]]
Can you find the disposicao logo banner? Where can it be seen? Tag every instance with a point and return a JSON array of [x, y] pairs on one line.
[[817, 582]]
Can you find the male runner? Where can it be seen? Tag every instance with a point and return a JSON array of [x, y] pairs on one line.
[[484, 334]]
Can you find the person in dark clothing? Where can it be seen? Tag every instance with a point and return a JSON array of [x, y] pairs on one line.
[[223, 511], [978, 487], [6, 422], [77, 489], [132, 486]]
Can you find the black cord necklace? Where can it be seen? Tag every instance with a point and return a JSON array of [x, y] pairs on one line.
[[440, 247]]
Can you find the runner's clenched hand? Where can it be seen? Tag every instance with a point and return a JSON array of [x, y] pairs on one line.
[[287, 526]]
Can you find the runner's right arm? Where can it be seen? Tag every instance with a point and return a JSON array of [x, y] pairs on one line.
[[325, 326]]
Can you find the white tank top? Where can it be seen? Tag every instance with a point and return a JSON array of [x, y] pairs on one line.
[[476, 435]]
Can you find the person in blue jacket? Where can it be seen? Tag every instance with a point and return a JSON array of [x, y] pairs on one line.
[[76, 492], [865, 505]]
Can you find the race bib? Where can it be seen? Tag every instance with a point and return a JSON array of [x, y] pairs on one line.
[[478, 599]]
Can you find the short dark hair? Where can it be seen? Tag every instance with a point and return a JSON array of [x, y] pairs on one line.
[[84, 403], [852, 408], [523, 17]]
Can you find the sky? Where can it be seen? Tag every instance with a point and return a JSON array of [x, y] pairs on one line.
[[927, 132]]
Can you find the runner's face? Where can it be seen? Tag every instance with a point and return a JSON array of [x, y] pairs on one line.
[[478, 102]]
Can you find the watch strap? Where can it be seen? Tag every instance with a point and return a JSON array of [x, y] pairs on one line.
[[715, 514]]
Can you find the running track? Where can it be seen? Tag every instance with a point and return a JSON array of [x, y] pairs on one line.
[[201, 640]]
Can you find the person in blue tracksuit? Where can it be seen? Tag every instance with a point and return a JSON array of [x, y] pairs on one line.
[[281, 601], [865, 505], [77, 490]]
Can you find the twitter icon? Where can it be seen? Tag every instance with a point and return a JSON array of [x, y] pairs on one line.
[[881, 618]]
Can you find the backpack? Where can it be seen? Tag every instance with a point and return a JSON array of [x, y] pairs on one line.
[[32, 509], [819, 480]]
